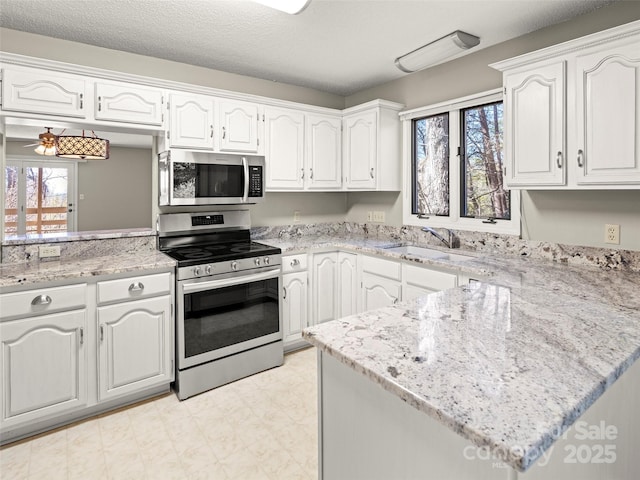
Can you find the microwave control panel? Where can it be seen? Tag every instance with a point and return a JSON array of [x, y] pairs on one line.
[[255, 181]]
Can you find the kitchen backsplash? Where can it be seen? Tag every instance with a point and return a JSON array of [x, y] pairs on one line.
[[475, 241], [132, 241]]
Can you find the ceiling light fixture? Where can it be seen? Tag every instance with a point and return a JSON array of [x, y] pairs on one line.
[[292, 7], [84, 148], [436, 52], [46, 145]]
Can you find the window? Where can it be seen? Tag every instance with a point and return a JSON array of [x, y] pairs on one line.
[[454, 166], [37, 197]]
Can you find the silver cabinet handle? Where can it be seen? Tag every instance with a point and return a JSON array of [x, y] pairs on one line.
[[371, 172], [311, 174], [580, 158], [99, 104], [224, 132], [101, 333], [284, 293], [136, 287], [302, 174], [395, 300], [211, 131], [41, 300], [295, 262], [81, 334], [81, 101], [559, 159]]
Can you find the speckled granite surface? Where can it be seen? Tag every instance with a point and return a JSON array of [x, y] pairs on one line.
[[20, 274], [506, 363]]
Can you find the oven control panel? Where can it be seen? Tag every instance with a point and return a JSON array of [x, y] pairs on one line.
[[244, 265]]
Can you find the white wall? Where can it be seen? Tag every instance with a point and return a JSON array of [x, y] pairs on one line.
[[570, 217]]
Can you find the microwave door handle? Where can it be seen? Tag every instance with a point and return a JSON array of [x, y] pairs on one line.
[[228, 282], [246, 180]]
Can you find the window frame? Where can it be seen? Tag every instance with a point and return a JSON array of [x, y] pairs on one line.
[[455, 220]]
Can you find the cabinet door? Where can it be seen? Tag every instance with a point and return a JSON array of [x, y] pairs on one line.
[[323, 152], [238, 126], [191, 122], [284, 132], [134, 346], [418, 281], [348, 284], [294, 305], [44, 366], [360, 150], [608, 116], [325, 287], [534, 134], [128, 103], [378, 292], [43, 93]]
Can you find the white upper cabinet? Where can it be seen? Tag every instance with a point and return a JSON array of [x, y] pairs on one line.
[[191, 122], [284, 148], [323, 152], [43, 92], [360, 151], [608, 115], [126, 103], [371, 146], [589, 139], [238, 126], [535, 143]]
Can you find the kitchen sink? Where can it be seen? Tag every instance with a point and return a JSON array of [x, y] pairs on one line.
[[429, 253]]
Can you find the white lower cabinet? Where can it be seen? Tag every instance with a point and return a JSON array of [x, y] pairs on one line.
[[70, 351], [348, 290], [380, 282], [294, 299], [44, 366], [325, 287], [134, 346], [418, 281]]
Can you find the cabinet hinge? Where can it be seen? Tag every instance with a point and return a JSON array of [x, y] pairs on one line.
[[505, 90], [168, 136], [162, 100], [167, 105]]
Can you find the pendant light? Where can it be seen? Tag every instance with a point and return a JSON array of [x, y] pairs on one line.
[[81, 147]]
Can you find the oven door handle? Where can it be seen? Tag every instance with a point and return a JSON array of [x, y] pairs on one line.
[[228, 282], [245, 165]]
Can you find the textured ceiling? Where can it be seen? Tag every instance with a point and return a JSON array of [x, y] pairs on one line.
[[337, 46]]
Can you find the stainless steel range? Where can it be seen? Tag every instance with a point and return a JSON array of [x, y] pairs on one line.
[[228, 322]]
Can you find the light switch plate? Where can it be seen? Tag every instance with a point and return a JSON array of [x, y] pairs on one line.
[[46, 251]]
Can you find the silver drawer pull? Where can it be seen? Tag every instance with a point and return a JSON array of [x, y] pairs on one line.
[[295, 262], [41, 300], [136, 287]]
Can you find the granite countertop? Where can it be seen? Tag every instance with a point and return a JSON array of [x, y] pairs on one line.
[[31, 273], [508, 362]]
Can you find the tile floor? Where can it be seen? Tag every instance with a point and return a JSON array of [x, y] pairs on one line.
[[260, 427]]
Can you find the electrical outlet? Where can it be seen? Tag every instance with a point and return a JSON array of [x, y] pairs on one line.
[[296, 216], [48, 251], [378, 217], [612, 234], [369, 216]]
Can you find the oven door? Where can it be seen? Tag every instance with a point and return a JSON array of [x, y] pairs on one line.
[[220, 316]]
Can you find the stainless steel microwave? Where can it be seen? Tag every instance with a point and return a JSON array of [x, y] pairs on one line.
[[199, 178]]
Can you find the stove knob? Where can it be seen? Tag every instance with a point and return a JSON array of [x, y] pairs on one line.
[[234, 266], [207, 269], [267, 260], [197, 271], [257, 262]]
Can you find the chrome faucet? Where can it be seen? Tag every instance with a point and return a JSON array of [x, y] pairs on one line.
[[448, 243]]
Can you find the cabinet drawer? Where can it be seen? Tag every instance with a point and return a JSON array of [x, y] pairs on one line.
[[43, 300], [294, 263], [431, 279], [382, 267], [134, 287]]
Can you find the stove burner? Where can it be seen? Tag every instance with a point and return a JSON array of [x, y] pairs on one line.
[[194, 255]]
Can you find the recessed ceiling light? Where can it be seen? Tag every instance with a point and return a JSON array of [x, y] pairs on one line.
[[292, 7]]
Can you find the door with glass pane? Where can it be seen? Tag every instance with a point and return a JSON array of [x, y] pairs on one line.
[[39, 197]]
